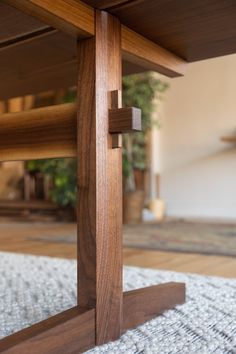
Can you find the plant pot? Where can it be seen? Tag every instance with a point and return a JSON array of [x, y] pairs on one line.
[[133, 206]]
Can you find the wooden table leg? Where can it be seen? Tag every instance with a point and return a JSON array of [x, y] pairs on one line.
[[100, 195], [100, 295], [99, 180]]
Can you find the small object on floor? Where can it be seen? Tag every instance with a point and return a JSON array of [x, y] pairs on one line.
[[157, 207], [147, 215], [34, 288]]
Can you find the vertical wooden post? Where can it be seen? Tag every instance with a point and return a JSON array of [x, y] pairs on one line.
[[99, 180]]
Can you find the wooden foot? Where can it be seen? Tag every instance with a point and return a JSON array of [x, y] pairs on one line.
[[72, 331], [142, 305]]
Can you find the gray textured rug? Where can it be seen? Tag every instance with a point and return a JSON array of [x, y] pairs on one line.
[[33, 288]]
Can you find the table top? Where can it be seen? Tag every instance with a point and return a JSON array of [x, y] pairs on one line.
[[192, 29], [45, 58]]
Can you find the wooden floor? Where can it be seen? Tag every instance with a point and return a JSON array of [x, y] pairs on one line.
[[22, 238]]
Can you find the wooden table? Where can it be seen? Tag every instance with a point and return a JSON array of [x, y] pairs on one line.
[[65, 42]]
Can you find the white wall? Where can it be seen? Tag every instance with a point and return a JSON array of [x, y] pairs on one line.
[[198, 171]]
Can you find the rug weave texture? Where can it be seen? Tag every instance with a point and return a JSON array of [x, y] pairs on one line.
[[34, 288]]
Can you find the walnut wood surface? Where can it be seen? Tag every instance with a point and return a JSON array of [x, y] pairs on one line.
[[99, 180], [142, 305], [99, 186], [116, 99], [70, 332], [45, 62], [193, 30], [33, 138], [73, 17], [46, 59], [47, 132], [10, 204], [105, 4], [116, 102], [125, 120], [117, 141], [15, 24], [138, 50]]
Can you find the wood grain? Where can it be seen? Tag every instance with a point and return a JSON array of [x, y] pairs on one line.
[[73, 16], [10, 204], [149, 55], [116, 99], [70, 332], [142, 305], [26, 38], [99, 180], [181, 28], [105, 4], [117, 141], [193, 30], [28, 134], [15, 24], [125, 120], [116, 102], [139, 54], [45, 62], [47, 132]]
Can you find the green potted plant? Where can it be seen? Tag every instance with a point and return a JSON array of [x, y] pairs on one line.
[[139, 90]]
